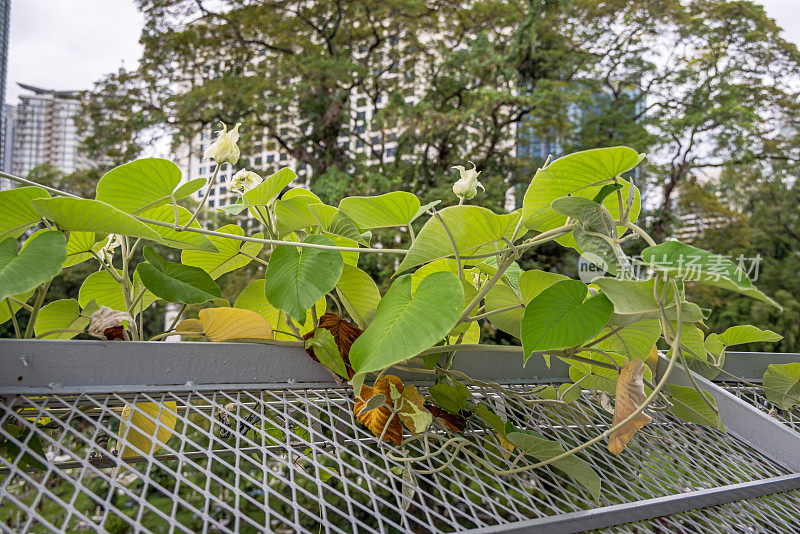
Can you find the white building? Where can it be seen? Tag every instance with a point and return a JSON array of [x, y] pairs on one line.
[[45, 131], [7, 128]]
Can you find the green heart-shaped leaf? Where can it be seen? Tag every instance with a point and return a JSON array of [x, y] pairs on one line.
[[580, 174], [327, 352], [143, 184], [105, 291], [252, 298], [174, 282], [679, 260], [294, 213], [450, 395], [6, 310], [80, 246], [635, 341], [541, 448], [335, 222], [404, 325], [559, 317], [64, 314], [359, 293], [40, 260], [471, 227], [231, 254], [397, 208], [782, 385], [531, 283], [689, 406], [634, 301], [173, 238], [296, 279], [92, 216], [266, 191], [18, 214], [738, 335]]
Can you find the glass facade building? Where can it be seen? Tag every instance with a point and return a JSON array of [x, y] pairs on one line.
[[45, 131], [5, 16]]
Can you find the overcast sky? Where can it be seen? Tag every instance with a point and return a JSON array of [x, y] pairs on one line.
[[68, 44]]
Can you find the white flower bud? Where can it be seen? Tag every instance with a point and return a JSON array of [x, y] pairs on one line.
[[224, 149], [243, 181], [467, 186]]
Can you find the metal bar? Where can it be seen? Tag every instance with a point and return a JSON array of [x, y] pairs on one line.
[[750, 366], [746, 422], [68, 366], [609, 516]]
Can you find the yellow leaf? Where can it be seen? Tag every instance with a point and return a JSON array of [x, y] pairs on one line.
[[190, 325], [146, 426], [223, 324], [630, 395]]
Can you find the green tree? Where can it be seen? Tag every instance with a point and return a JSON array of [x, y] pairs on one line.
[[763, 229], [722, 95]]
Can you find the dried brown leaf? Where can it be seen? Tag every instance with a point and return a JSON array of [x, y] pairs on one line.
[[378, 419], [344, 334], [454, 422], [630, 395]]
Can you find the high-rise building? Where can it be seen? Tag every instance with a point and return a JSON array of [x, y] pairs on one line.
[[45, 131], [7, 139], [5, 16]]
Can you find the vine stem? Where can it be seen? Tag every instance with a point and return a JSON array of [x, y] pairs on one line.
[[126, 283], [293, 328], [163, 335], [452, 243], [202, 204], [494, 312], [36, 307], [276, 241], [19, 303], [516, 349], [30, 182], [641, 233], [110, 270], [177, 318], [494, 385], [66, 330], [259, 260], [603, 338], [501, 269], [14, 319]]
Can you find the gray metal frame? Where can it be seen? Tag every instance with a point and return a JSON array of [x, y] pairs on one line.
[[31, 367], [130, 370]]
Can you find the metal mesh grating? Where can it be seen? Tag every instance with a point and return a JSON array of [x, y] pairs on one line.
[[756, 397], [298, 462]]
